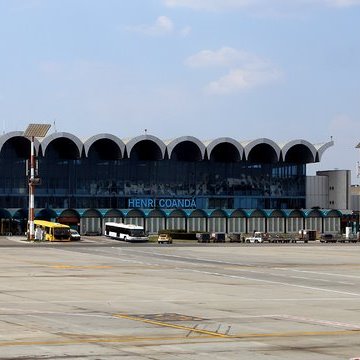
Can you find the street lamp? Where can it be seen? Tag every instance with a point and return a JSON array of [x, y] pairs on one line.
[[33, 131]]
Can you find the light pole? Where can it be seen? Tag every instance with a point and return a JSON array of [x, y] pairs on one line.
[[32, 131]]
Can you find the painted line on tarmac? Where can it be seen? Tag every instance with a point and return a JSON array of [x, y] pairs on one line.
[[92, 340], [315, 321], [126, 339], [174, 326], [319, 273], [350, 329], [274, 282]]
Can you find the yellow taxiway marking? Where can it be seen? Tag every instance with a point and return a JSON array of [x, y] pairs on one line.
[[81, 339], [239, 336], [205, 335], [90, 340], [63, 266], [174, 326]]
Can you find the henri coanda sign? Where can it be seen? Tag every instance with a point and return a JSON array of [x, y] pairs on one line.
[[162, 203]]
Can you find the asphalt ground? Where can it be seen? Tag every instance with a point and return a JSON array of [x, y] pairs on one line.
[[104, 299]]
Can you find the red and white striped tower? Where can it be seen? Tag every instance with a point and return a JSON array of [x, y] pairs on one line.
[[32, 192]]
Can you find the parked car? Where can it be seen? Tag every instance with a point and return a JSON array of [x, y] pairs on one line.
[[74, 235], [164, 239]]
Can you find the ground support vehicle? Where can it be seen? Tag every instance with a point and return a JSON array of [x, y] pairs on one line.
[[328, 238], [203, 237], [164, 238], [218, 237], [235, 237], [307, 235], [257, 237]]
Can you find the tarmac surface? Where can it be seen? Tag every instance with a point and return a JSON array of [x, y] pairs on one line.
[[105, 299]]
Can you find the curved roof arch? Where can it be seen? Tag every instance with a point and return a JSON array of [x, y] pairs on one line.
[[185, 142], [149, 152], [321, 148], [114, 213], [225, 148], [198, 213], [238, 213], [331, 212], [254, 150], [299, 151], [20, 213], [91, 213], [156, 213], [46, 141], [216, 213], [138, 213], [5, 214], [18, 134], [177, 213], [70, 213], [312, 213], [46, 213], [256, 213], [103, 139]]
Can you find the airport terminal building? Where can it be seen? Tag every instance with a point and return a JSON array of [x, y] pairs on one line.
[[218, 185]]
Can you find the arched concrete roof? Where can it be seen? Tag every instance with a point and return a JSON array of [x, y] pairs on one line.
[[292, 143], [13, 134], [312, 213], [173, 143], [217, 213], [130, 143], [198, 213], [46, 212], [93, 139], [135, 213], [113, 213], [213, 143], [58, 135], [156, 213], [91, 213], [72, 212], [249, 145], [5, 214], [177, 213], [322, 147]]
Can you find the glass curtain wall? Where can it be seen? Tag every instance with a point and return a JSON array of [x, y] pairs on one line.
[[96, 183]]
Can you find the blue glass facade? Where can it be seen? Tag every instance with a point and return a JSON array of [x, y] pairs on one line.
[[103, 174]]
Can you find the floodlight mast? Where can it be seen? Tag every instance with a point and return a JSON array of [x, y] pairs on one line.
[[33, 130]]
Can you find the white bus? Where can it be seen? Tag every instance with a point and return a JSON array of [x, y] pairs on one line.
[[126, 232]]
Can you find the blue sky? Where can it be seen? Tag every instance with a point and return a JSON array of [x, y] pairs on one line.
[[245, 69]]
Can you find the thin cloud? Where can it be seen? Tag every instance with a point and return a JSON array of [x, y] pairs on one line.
[[242, 79], [163, 25], [244, 70], [225, 56]]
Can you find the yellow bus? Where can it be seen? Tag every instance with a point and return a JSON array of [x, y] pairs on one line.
[[51, 231]]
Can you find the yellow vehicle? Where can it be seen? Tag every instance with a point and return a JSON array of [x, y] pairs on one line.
[[51, 231]]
